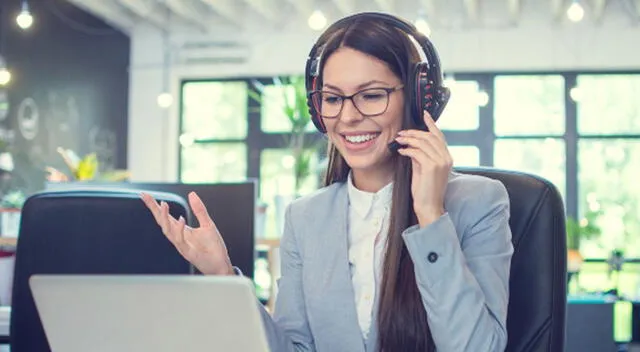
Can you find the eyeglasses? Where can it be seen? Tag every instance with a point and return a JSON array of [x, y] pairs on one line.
[[369, 102]]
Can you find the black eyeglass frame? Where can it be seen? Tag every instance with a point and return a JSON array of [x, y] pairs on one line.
[[343, 98]]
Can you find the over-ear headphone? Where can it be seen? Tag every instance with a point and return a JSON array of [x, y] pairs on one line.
[[424, 79]]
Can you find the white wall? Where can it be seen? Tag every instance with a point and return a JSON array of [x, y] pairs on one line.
[[153, 132]]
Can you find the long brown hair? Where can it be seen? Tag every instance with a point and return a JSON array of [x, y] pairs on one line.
[[402, 319]]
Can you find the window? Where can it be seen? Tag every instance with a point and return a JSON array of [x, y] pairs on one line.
[[524, 128], [465, 155], [213, 132], [529, 105], [274, 120], [214, 162], [529, 116], [215, 110], [607, 177], [461, 112], [608, 104], [542, 157], [608, 119]]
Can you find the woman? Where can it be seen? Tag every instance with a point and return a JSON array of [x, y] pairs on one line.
[[396, 252]]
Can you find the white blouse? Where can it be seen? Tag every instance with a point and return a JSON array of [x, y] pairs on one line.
[[367, 234]]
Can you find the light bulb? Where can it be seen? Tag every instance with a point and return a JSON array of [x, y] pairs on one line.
[[165, 100], [24, 19], [5, 76], [186, 140], [482, 98], [317, 21], [575, 12], [575, 93], [423, 26]]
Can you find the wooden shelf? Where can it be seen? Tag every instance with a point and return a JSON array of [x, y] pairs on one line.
[[269, 242], [8, 241]]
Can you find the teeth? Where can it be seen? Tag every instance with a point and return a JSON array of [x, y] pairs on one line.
[[360, 138]]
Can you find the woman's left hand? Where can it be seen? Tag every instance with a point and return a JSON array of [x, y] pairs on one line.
[[431, 164]]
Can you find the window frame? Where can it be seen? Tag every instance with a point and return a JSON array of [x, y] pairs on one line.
[[483, 137]]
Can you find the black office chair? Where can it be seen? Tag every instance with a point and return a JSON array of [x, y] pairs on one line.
[[86, 232], [538, 282]]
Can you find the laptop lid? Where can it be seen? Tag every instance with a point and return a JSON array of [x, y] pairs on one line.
[[156, 313]]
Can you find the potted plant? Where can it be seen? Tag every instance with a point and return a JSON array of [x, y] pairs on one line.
[[297, 112], [83, 169], [586, 228]]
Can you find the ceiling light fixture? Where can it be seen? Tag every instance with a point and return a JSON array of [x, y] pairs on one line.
[[5, 74], [317, 20], [575, 12], [165, 100], [24, 18]]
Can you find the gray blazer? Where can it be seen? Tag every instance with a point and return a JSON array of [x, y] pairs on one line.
[[464, 285]]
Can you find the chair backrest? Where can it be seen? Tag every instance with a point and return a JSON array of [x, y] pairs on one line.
[[538, 282], [86, 232]]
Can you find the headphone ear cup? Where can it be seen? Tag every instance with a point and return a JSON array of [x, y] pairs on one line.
[[429, 96], [442, 95], [422, 93]]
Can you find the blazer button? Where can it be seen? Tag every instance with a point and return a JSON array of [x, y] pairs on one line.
[[432, 257]]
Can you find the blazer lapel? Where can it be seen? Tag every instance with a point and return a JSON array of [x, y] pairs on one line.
[[331, 284]]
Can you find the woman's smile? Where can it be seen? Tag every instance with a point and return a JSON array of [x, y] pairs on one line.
[[359, 141]]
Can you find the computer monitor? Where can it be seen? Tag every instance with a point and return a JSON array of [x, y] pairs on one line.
[[231, 206]]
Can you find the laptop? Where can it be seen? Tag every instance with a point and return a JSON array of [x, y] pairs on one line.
[[157, 313]]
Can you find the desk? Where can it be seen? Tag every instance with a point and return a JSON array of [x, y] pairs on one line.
[[590, 324]]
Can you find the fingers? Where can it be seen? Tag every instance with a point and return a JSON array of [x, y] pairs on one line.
[[434, 133], [424, 135], [431, 142], [422, 159], [426, 143], [432, 125], [427, 152], [152, 204], [164, 219], [178, 229], [200, 211], [173, 229]]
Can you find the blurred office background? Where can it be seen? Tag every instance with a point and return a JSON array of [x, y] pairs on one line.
[[208, 91]]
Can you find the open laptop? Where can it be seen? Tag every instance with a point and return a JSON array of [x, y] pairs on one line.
[[157, 313]]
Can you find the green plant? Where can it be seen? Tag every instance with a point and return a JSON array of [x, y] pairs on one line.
[[586, 228], [294, 107], [13, 199]]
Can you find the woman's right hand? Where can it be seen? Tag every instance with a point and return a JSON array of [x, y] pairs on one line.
[[203, 246]]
